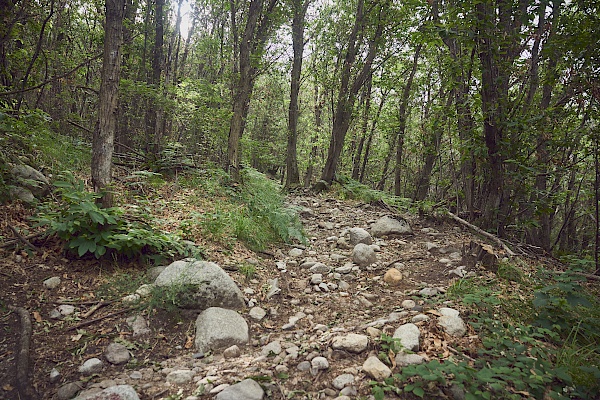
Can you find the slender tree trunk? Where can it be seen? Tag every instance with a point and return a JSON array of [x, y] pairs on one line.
[[293, 175], [318, 110], [357, 156], [348, 91], [258, 26], [103, 140], [402, 117]]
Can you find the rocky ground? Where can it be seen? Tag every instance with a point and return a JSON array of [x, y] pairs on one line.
[[315, 314]]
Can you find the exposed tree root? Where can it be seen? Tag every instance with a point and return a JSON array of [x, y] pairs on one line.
[[22, 363]]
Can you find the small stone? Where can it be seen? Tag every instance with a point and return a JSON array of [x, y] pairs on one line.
[[409, 335], [428, 292], [348, 393], [359, 235], [52, 283], [343, 285], [319, 363], [408, 304], [419, 318], [219, 388], [449, 312], [363, 255], [145, 290], [257, 313], [341, 381], [131, 299], [247, 389], [374, 333], [392, 277], [376, 369], [295, 252], [403, 359], [181, 376], [68, 391], [315, 279], [91, 366], [232, 352], [346, 269], [136, 375], [319, 268], [281, 265], [352, 342], [54, 375], [117, 354], [271, 348], [454, 326], [303, 366]]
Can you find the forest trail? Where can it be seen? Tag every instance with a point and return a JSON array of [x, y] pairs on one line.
[[290, 328]]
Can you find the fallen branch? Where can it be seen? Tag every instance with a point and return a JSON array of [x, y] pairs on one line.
[[95, 308], [24, 239], [483, 233], [93, 321], [12, 242], [25, 391]]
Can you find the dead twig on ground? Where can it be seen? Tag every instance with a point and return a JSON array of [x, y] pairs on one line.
[[25, 391], [93, 321], [19, 238]]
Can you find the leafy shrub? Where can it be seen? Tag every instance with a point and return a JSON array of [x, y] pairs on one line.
[[351, 189], [89, 229]]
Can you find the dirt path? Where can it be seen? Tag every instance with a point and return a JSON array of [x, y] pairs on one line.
[[346, 299]]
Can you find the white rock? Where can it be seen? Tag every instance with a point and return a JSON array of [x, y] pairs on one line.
[[247, 389], [454, 326], [376, 369], [341, 381], [217, 328], [403, 359], [117, 353], [319, 268], [232, 352], [409, 335], [352, 342], [359, 235], [449, 312], [91, 366], [271, 348], [52, 283], [295, 252], [315, 279], [408, 304], [180, 376], [145, 290], [419, 318], [319, 363], [428, 291], [363, 255], [257, 313], [390, 226]]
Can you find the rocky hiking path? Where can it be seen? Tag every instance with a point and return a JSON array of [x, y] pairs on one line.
[[307, 325]]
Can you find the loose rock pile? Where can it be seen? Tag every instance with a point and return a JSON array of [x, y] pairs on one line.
[[309, 324]]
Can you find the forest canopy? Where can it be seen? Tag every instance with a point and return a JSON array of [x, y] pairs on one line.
[[486, 108]]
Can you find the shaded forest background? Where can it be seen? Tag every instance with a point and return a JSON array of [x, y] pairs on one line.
[[488, 108]]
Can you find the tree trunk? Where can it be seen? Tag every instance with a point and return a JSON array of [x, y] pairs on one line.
[[347, 92], [258, 26], [103, 140], [293, 175], [357, 156], [402, 117]]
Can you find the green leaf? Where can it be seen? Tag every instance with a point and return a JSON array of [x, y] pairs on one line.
[[418, 392]]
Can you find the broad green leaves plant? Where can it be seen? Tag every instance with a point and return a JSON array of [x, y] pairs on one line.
[[88, 229]]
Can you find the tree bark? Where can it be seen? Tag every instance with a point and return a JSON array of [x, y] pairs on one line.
[[402, 117], [347, 91], [293, 175], [103, 140], [258, 26]]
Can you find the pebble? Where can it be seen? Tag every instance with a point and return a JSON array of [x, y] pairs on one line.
[[376, 369], [319, 363], [91, 366], [257, 313], [52, 283]]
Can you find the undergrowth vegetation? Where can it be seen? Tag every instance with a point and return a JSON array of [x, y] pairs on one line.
[[539, 337]]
